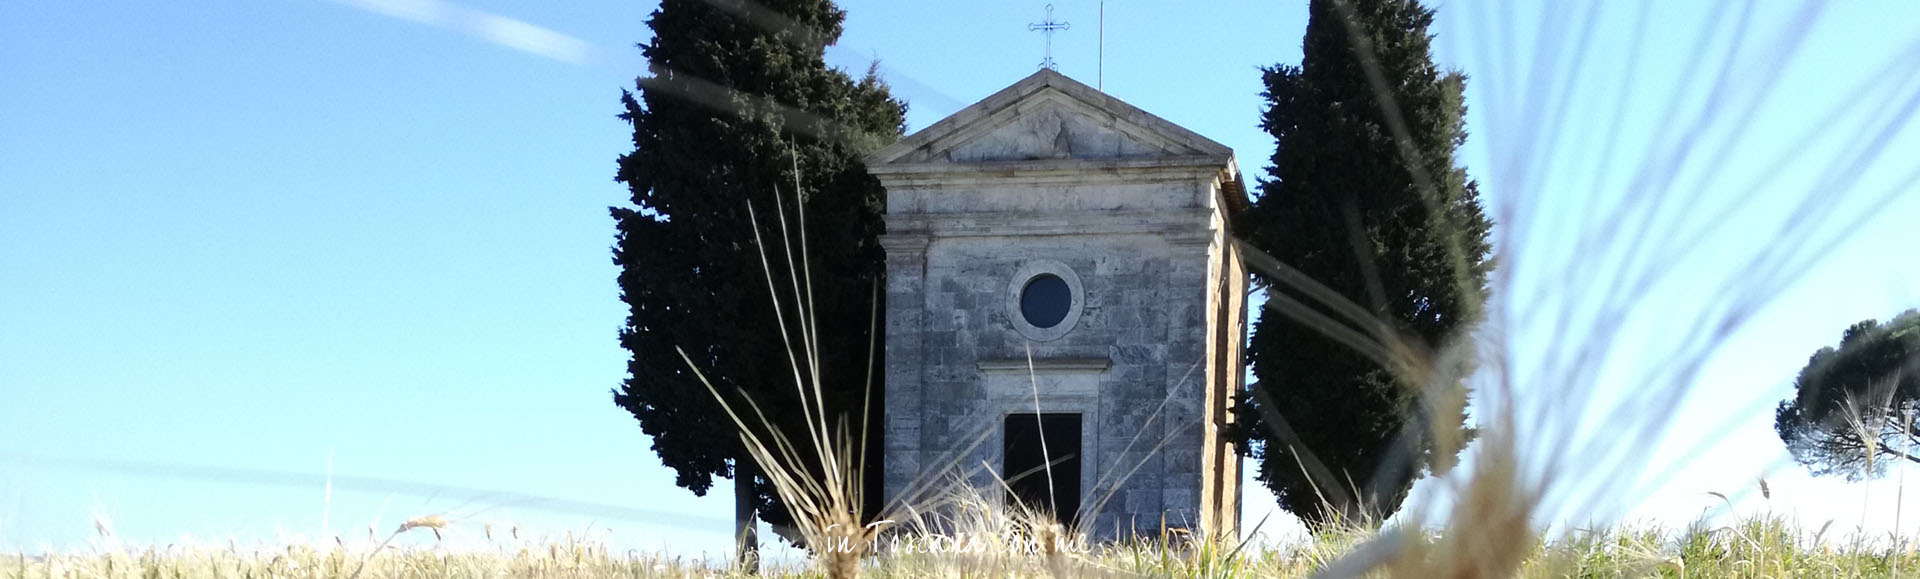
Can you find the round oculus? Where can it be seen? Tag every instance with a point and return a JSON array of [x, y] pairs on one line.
[[1045, 300]]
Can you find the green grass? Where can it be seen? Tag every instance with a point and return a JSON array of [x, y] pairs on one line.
[[1756, 547]]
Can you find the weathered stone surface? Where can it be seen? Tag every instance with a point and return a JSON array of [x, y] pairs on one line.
[[1052, 176]]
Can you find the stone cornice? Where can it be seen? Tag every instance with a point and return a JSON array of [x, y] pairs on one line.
[[1184, 222], [1045, 171], [1044, 365], [904, 243]]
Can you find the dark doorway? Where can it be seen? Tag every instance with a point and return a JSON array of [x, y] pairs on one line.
[[1026, 466]]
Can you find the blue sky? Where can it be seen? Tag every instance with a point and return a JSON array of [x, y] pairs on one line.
[[369, 238]]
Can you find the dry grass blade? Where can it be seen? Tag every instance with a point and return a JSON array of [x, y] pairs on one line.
[[1647, 237], [819, 479]]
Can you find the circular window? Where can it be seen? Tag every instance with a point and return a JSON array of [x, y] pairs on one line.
[[1045, 300]]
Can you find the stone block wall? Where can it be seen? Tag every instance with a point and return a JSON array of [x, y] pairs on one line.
[[1143, 314], [1052, 175]]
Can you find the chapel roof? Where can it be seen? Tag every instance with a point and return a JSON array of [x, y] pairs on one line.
[[1048, 119]]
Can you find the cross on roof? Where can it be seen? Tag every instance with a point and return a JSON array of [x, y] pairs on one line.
[[1047, 28]]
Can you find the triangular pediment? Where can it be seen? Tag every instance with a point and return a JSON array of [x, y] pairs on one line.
[[1048, 116]]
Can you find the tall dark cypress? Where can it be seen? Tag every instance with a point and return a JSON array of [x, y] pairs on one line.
[[739, 105], [1343, 203]]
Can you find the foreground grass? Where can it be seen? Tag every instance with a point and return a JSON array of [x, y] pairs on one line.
[[1754, 548]]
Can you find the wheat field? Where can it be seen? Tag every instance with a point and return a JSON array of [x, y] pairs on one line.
[[1755, 547]]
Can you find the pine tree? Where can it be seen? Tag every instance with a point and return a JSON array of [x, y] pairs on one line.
[[739, 107], [1344, 203], [1855, 407]]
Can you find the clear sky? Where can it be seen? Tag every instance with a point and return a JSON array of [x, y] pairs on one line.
[[247, 245]]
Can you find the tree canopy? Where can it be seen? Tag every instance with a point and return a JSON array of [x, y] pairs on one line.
[[1363, 197], [741, 109], [1855, 407]]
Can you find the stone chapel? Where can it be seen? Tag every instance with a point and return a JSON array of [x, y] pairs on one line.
[[1060, 276]]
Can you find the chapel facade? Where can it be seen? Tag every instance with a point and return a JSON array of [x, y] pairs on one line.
[[1065, 310]]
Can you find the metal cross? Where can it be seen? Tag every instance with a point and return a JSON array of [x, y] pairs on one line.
[[1047, 27]]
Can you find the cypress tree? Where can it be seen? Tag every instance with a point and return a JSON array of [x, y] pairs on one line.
[[738, 108], [1344, 203]]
